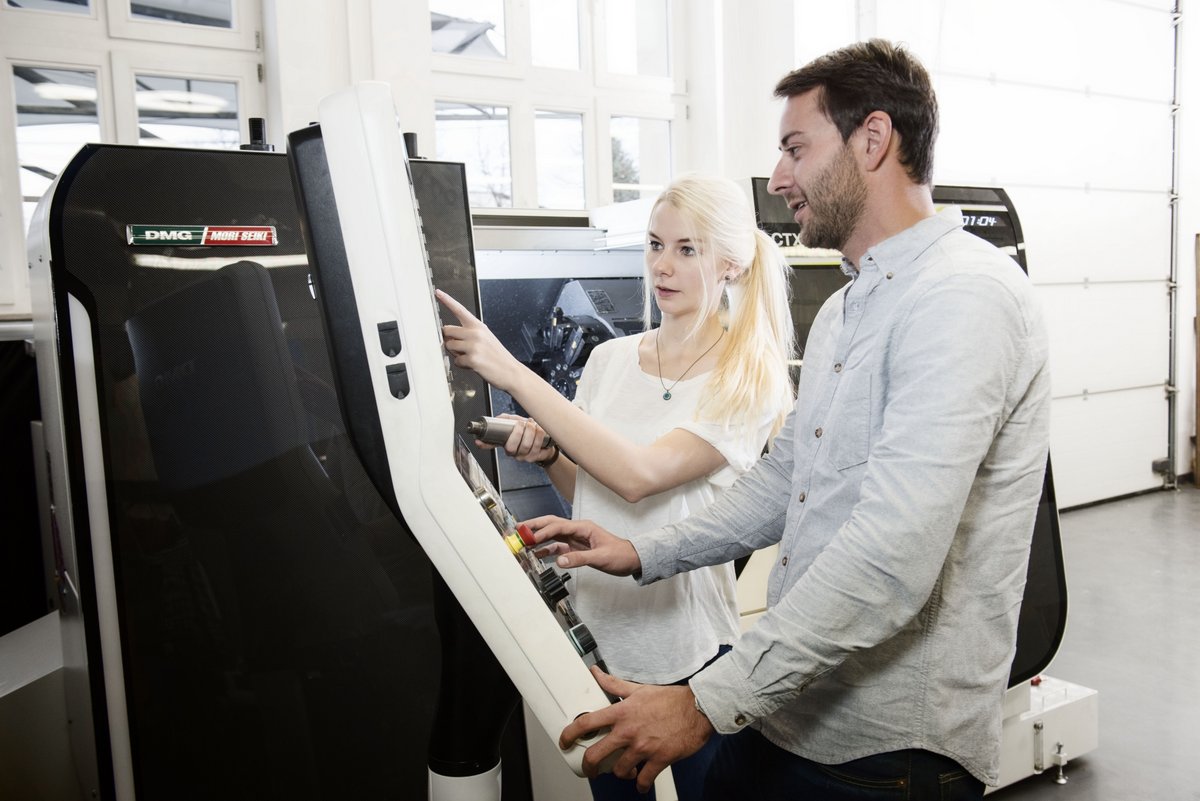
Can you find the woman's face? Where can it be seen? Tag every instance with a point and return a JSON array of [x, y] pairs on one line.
[[685, 281]]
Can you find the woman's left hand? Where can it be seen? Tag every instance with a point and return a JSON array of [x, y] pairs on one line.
[[471, 344]]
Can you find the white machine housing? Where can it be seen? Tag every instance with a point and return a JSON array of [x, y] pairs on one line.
[[385, 252]]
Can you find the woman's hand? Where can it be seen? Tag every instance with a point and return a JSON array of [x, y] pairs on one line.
[[582, 542], [471, 344], [525, 442]]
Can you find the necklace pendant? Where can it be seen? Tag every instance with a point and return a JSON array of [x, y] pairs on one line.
[[666, 395]]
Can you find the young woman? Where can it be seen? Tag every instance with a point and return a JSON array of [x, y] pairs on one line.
[[660, 425]]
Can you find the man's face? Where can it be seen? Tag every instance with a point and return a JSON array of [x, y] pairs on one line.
[[818, 175]]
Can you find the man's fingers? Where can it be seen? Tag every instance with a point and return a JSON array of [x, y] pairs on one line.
[[648, 773], [613, 685], [584, 725]]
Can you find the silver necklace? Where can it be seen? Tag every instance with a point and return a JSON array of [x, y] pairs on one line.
[[658, 359]]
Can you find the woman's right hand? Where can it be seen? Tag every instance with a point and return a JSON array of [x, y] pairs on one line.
[[525, 441], [472, 344]]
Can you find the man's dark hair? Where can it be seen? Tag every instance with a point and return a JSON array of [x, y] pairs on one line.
[[874, 76]]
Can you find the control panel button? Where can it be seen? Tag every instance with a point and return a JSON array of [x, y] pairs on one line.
[[389, 338], [584, 642], [397, 376]]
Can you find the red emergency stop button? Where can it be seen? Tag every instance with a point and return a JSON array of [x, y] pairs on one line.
[[526, 535]]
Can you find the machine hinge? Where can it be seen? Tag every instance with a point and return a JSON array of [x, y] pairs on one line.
[[258, 40], [261, 72]]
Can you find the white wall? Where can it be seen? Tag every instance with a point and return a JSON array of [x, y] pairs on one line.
[[1067, 105]]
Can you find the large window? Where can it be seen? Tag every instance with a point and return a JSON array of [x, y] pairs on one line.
[[472, 28], [76, 72], [477, 135], [560, 162], [636, 35], [641, 157], [186, 112], [572, 103], [56, 115]]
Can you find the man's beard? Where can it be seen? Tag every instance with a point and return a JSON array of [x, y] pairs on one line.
[[836, 199]]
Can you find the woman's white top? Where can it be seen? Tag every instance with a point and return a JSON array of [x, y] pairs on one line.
[[666, 631]]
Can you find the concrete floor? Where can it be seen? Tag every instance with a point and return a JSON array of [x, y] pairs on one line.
[[1133, 634]]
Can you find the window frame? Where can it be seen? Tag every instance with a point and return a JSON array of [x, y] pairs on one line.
[[243, 35], [591, 91], [149, 47]]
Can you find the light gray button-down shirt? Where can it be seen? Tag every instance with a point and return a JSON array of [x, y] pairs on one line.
[[903, 491]]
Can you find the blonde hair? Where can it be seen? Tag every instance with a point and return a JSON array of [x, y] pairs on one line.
[[751, 377]]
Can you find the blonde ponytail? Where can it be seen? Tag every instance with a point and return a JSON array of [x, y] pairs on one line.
[[753, 372]]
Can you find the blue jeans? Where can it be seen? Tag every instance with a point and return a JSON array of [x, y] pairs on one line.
[[748, 766], [689, 774]]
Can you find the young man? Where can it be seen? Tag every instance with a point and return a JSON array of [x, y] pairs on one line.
[[902, 490]]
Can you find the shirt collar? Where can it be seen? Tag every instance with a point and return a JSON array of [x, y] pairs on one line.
[[900, 250]]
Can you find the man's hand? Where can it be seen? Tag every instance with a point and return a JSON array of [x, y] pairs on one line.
[[654, 725], [582, 542]]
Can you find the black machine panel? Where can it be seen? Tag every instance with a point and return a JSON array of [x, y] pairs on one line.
[[277, 621]]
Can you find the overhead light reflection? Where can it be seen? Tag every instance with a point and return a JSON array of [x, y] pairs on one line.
[[179, 101], [159, 261], [65, 91]]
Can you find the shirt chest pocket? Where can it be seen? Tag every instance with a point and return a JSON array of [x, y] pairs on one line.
[[850, 439]]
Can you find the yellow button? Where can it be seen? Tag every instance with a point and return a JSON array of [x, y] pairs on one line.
[[514, 543]]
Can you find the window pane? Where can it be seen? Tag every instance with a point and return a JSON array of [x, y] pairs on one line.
[[56, 114], [211, 13], [71, 6], [641, 157], [477, 135], [555, 31], [558, 137], [637, 37], [468, 27], [186, 112]]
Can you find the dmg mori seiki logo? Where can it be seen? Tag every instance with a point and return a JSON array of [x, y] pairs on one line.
[[202, 235]]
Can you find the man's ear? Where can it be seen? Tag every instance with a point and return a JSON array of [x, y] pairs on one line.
[[877, 132]]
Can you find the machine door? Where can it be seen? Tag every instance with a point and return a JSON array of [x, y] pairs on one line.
[[275, 630]]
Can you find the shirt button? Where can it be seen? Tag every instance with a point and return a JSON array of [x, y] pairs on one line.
[[802, 496], [740, 720], [785, 561], [837, 368], [819, 432], [889, 276]]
